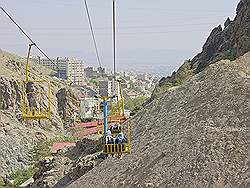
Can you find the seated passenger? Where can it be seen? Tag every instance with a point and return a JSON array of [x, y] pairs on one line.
[[112, 127], [119, 139], [109, 138], [115, 128], [118, 127]]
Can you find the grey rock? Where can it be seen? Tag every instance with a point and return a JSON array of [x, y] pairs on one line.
[[227, 22]]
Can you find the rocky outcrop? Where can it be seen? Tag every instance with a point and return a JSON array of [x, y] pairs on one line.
[[195, 135], [67, 103], [81, 167], [10, 95], [68, 165], [229, 42], [16, 143], [227, 22], [86, 147], [62, 103]]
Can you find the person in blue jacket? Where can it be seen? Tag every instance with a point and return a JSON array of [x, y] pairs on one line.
[[109, 138], [119, 139]]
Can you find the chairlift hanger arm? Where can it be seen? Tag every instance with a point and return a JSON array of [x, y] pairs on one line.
[[27, 63]]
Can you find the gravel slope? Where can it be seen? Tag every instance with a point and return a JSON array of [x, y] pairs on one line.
[[195, 135]]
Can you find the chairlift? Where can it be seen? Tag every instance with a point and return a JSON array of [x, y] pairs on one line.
[[31, 90], [118, 149]]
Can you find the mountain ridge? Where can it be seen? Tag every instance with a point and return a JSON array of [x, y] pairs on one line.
[[229, 42]]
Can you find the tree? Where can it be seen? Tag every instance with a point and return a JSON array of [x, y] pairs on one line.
[[136, 104]]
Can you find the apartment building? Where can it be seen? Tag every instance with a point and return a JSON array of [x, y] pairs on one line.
[[75, 71], [70, 69]]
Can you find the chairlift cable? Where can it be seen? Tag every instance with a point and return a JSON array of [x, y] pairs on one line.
[[92, 32], [20, 28]]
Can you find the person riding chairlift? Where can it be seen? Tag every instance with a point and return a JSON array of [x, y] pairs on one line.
[[109, 138], [112, 127], [118, 127], [115, 128], [120, 138]]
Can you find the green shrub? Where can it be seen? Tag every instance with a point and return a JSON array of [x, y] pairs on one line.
[[86, 120], [21, 175], [41, 150], [184, 73], [114, 109], [70, 139], [178, 82], [135, 105]]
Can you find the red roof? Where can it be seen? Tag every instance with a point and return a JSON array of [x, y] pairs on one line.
[[87, 125], [88, 131], [60, 145]]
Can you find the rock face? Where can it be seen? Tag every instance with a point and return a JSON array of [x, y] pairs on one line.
[[228, 43], [62, 103], [67, 103], [10, 95], [195, 135], [68, 165], [16, 143]]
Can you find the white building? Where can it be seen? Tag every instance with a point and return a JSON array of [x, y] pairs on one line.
[[70, 69], [75, 71]]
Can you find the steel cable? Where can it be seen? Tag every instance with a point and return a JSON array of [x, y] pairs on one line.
[[92, 33]]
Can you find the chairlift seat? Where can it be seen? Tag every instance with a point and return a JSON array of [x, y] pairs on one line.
[[38, 112], [112, 149]]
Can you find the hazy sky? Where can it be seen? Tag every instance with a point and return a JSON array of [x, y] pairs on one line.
[[153, 35]]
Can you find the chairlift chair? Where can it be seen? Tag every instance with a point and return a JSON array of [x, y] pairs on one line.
[[29, 91], [118, 149]]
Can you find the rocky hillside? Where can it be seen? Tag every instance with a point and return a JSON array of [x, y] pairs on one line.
[[17, 138], [195, 135], [228, 42], [69, 164]]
